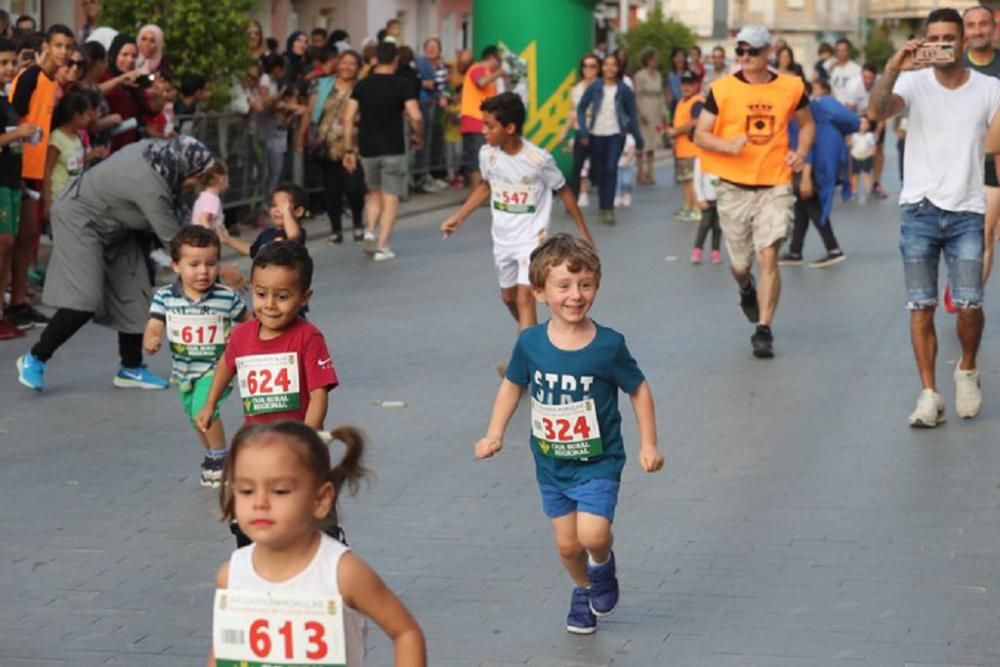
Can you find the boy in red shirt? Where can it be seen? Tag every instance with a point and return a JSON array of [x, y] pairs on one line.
[[284, 368]]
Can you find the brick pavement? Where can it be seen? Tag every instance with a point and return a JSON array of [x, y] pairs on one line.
[[798, 522]]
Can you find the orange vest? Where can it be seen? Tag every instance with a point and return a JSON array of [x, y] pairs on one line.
[[473, 95], [40, 109], [683, 146], [760, 112]]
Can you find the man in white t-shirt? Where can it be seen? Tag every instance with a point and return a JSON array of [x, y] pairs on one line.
[[943, 201], [518, 179], [845, 76]]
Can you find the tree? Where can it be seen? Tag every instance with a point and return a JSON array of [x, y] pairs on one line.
[[659, 33], [207, 37], [878, 49]]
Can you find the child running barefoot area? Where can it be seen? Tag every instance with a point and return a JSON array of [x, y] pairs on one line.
[[572, 368], [296, 595]]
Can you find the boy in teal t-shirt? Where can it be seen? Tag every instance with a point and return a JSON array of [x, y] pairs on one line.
[[573, 369]]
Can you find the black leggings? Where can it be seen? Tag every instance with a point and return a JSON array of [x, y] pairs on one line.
[[580, 155], [709, 221], [65, 323], [338, 183], [806, 210]]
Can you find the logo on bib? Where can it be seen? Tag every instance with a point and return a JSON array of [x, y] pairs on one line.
[[760, 123]]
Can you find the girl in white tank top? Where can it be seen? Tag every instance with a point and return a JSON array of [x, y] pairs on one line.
[[279, 486]]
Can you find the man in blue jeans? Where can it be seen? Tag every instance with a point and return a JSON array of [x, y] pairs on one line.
[[943, 201]]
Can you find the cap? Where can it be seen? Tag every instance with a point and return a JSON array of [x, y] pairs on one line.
[[756, 36], [688, 76]]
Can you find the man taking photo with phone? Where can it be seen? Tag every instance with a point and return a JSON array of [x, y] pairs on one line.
[[942, 200]]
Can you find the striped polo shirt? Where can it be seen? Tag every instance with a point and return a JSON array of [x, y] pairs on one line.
[[191, 358]]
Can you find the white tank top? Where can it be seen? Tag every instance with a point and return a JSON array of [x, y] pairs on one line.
[[319, 579]]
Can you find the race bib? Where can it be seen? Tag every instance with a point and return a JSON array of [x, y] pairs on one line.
[[569, 432], [262, 629], [511, 198], [196, 336], [269, 382]]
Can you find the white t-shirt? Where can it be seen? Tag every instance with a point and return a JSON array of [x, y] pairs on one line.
[[845, 81], [862, 145], [606, 123], [521, 197], [944, 142]]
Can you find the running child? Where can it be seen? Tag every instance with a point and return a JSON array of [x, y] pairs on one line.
[[705, 194], [207, 210], [284, 368], [197, 313], [685, 117], [280, 487], [626, 173], [518, 178], [863, 145], [573, 369], [11, 185], [288, 208]]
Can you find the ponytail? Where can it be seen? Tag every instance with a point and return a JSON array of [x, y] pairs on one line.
[[350, 471]]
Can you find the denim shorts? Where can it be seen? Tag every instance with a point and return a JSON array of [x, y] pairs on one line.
[[595, 496], [927, 231]]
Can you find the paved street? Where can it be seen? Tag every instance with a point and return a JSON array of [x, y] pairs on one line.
[[798, 521]]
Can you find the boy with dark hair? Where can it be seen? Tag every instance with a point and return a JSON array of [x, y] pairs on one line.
[[33, 94], [518, 178], [197, 313], [14, 133], [317, 38], [288, 207], [284, 368], [573, 369]]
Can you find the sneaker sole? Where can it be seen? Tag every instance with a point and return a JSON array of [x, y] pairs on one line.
[[919, 423], [20, 375], [123, 383], [603, 614], [826, 263], [580, 631], [210, 483], [763, 354]]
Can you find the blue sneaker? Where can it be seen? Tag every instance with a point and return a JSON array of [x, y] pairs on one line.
[[31, 371], [138, 378], [581, 620], [603, 587]]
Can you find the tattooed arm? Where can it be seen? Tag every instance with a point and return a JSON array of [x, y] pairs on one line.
[[884, 104]]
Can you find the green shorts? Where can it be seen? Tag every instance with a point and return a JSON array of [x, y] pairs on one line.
[[10, 210], [193, 400]]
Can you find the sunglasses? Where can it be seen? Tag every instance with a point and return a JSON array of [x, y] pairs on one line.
[[751, 51], [80, 64]]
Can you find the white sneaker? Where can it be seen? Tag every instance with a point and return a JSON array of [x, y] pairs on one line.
[[383, 255], [968, 395], [930, 410], [626, 200], [618, 202], [368, 242], [583, 201]]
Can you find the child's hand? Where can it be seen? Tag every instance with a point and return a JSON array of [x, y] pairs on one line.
[[25, 130], [650, 459], [450, 226], [232, 276], [703, 205], [487, 447], [203, 420], [152, 344]]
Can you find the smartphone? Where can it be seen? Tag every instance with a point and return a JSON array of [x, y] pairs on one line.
[[936, 52], [145, 81]]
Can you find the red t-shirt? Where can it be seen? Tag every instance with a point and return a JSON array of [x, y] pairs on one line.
[[268, 370]]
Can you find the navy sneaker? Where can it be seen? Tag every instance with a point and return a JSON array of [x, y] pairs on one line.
[[31, 371], [138, 378], [581, 620], [603, 587]]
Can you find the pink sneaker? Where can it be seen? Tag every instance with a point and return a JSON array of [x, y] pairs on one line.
[[696, 256], [716, 257]]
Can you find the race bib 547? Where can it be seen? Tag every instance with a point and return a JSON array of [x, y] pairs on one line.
[[511, 198]]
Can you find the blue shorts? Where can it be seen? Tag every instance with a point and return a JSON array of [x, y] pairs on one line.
[[595, 496], [927, 231]]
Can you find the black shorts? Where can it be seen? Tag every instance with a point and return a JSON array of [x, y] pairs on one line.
[[991, 173]]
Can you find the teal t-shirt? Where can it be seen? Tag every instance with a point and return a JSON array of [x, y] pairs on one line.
[[559, 377]]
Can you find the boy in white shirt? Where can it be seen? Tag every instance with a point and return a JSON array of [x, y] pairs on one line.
[[863, 145], [518, 179]]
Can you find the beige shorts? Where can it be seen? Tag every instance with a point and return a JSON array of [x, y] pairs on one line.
[[753, 219]]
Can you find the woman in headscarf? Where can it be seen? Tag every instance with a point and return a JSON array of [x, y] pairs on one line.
[[98, 269], [129, 100], [296, 64], [150, 43]]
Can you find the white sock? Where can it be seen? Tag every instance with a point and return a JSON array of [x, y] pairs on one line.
[[592, 563]]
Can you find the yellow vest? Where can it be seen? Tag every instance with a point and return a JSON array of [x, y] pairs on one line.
[[760, 112], [683, 146], [473, 95]]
